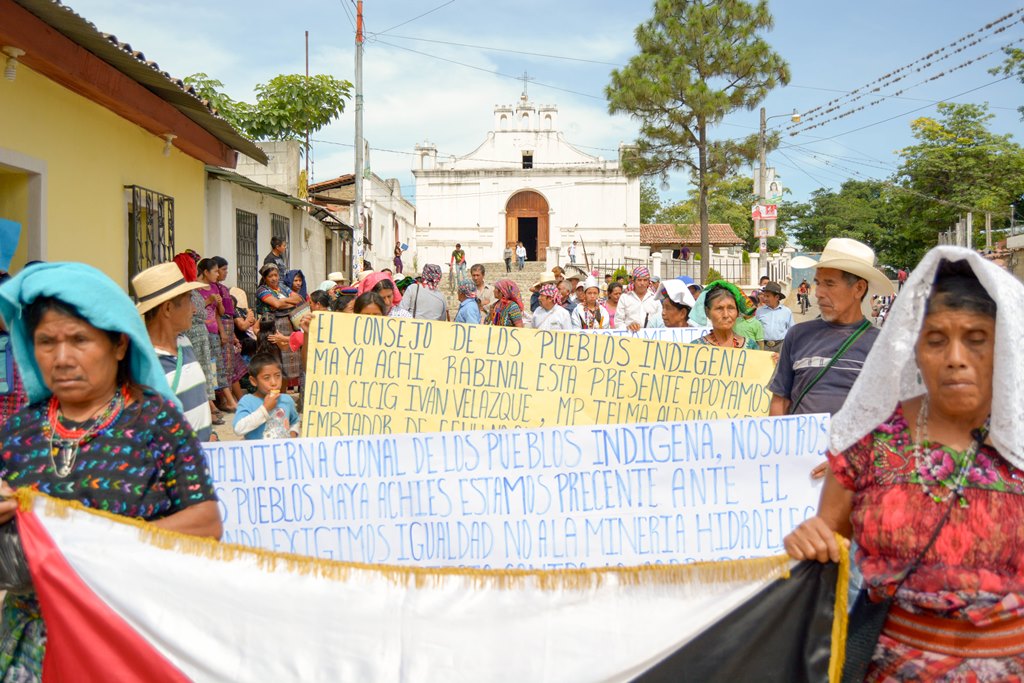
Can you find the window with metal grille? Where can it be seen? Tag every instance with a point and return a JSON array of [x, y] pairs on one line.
[[247, 250], [280, 226], [150, 228]]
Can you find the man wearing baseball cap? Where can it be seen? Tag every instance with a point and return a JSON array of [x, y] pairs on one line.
[[821, 359], [775, 318], [164, 300]]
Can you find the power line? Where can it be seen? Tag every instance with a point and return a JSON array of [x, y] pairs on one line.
[[889, 97], [348, 13], [882, 80], [882, 98], [802, 170], [510, 163], [488, 71], [418, 16], [506, 50], [906, 113]]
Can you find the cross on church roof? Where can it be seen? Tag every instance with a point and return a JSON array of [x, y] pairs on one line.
[[525, 78]]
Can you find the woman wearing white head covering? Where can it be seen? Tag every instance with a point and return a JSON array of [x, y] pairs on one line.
[[927, 472], [590, 314]]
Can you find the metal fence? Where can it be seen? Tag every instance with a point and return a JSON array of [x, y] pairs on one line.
[[150, 228], [733, 270], [247, 252]]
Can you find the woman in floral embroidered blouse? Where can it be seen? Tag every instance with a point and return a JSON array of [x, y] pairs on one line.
[[960, 614]]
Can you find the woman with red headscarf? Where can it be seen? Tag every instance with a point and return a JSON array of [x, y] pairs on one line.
[[384, 286], [508, 311], [197, 332]]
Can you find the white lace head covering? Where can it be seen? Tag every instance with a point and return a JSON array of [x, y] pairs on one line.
[[890, 371]]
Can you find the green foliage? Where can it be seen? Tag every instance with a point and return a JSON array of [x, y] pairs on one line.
[[1012, 66], [957, 165], [713, 275], [650, 201], [698, 61], [286, 105], [620, 272], [729, 201]]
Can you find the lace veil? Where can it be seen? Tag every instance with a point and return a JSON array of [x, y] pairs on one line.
[[890, 371]]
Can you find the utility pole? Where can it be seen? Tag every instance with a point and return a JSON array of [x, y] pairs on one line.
[[759, 225], [307, 111], [357, 204], [988, 231], [969, 231]]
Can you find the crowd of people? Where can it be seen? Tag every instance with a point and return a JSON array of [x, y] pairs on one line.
[[925, 472]]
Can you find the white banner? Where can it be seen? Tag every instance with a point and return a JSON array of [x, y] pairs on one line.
[[531, 498]]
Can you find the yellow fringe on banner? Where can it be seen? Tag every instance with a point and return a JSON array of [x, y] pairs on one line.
[[841, 614], [699, 573]]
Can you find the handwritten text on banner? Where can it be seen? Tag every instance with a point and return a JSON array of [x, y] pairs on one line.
[[376, 375], [543, 498]]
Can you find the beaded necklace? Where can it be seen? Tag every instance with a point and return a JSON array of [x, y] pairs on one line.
[[954, 484], [65, 443]]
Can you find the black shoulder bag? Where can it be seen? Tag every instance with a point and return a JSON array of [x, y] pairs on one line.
[[854, 336], [868, 618]]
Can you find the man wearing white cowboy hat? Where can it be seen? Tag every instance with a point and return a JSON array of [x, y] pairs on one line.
[[164, 300], [821, 359]]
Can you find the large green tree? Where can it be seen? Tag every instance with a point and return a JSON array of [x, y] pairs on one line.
[[728, 201], [650, 201], [860, 210], [957, 165], [698, 61], [286, 106]]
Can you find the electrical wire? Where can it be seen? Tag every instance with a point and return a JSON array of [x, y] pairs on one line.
[[882, 80], [898, 116], [489, 48], [488, 71], [418, 16]]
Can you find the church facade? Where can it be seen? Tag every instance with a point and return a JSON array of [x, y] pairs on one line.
[[525, 182]]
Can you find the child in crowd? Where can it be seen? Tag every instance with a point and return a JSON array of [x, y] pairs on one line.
[[268, 413]]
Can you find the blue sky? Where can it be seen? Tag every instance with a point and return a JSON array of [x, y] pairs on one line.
[[412, 97]]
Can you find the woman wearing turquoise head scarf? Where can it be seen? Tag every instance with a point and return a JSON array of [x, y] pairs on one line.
[[98, 403], [721, 303]]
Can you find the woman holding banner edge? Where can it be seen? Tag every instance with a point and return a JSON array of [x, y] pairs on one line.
[[99, 403], [927, 473]]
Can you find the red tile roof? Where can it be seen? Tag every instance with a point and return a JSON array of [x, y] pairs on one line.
[[672, 235]]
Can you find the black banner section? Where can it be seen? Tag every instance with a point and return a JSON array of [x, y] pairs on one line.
[[783, 634]]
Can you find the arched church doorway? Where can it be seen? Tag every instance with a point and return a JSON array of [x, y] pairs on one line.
[[526, 221]]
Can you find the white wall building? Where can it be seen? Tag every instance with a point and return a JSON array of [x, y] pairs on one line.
[[245, 209], [389, 218], [526, 183]]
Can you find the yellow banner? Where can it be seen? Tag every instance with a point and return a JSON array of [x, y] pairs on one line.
[[375, 375]]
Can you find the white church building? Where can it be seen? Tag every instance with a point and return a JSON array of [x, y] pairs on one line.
[[525, 182]]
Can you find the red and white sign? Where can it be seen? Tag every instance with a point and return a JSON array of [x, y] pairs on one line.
[[764, 212]]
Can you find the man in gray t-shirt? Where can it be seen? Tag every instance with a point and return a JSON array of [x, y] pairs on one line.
[[809, 347], [842, 278]]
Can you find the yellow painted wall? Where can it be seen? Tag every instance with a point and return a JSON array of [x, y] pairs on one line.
[[91, 154]]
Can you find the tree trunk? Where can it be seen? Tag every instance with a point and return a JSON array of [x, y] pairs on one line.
[[702, 185]]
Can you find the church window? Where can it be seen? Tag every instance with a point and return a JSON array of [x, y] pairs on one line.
[[527, 159]]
